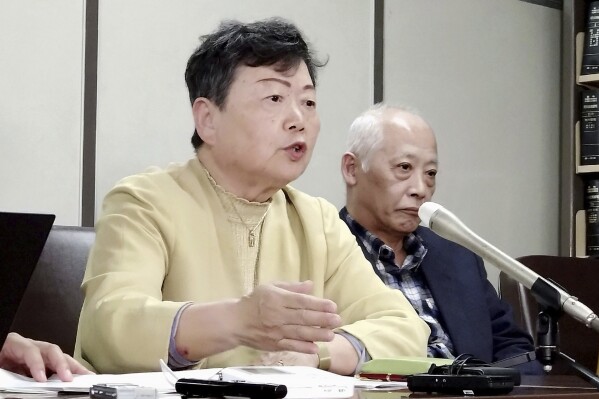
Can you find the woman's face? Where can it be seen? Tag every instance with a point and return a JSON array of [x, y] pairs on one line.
[[267, 129]]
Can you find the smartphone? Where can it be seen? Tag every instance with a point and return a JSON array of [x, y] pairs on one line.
[[461, 384]]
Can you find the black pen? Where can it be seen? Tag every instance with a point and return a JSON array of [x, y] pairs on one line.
[[192, 387]]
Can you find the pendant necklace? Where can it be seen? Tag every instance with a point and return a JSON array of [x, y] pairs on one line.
[[252, 230]]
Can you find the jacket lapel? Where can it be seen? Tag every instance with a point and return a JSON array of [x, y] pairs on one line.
[[459, 312]]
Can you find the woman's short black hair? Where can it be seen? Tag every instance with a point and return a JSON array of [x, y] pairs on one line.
[[211, 68]]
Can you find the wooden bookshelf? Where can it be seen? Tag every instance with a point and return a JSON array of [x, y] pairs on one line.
[[581, 234], [573, 175]]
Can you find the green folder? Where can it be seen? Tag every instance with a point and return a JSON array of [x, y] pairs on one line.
[[402, 365]]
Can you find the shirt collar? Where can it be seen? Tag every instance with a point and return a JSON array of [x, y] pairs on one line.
[[377, 249]]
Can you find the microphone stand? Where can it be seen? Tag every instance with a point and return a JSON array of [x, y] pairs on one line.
[[547, 348], [548, 295], [447, 225]]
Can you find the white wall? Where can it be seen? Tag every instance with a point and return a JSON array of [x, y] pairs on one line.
[[486, 75], [144, 116], [41, 69]]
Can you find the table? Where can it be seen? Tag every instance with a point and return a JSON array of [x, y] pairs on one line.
[[533, 387]]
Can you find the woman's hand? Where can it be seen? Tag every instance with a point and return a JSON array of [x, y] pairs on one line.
[[28, 357]]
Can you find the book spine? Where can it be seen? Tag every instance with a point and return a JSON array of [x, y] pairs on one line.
[[591, 205], [590, 55], [589, 128]]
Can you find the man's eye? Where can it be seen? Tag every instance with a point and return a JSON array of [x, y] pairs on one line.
[[404, 166], [275, 98], [432, 173], [311, 103]]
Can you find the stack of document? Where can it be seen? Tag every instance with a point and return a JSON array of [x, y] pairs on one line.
[[301, 382], [15, 383]]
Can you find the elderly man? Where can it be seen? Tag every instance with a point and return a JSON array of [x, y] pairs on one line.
[[218, 262], [390, 170]]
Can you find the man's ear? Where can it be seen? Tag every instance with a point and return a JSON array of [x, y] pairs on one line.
[[205, 117], [349, 163]]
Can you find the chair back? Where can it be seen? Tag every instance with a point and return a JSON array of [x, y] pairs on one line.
[[49, 310], [577, 276]]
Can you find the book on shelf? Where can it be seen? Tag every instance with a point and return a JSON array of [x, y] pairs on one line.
[[591, 205], [590, 55], [589, 128]]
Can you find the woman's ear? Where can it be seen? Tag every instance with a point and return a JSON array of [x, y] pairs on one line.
[[348, 168], [205, 116]]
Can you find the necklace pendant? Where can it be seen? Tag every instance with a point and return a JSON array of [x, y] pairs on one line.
[[251, 239]]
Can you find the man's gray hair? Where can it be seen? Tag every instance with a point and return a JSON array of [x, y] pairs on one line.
[[366, 131]]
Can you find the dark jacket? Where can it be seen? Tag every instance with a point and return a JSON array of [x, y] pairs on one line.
[[477, 320]]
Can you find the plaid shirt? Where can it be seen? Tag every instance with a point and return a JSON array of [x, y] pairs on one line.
[[408, 278]]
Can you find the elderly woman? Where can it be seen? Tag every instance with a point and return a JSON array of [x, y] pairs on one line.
[[218, 262]]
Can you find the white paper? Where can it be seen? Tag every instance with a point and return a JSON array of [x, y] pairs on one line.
[[301, 382], [11, 382]]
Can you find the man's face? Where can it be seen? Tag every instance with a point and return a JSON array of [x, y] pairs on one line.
[[400, 177], [268, 127]]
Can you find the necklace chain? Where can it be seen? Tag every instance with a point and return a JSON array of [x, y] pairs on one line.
[[252, 230]]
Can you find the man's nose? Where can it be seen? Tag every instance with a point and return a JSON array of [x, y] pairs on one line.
[[418, 187]]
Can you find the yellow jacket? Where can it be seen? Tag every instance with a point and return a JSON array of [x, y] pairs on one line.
[[163, 240]]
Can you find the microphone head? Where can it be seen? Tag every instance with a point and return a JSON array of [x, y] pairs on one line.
[[426, 211]]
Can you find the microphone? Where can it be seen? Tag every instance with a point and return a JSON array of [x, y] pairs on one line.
[[548, 294]]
